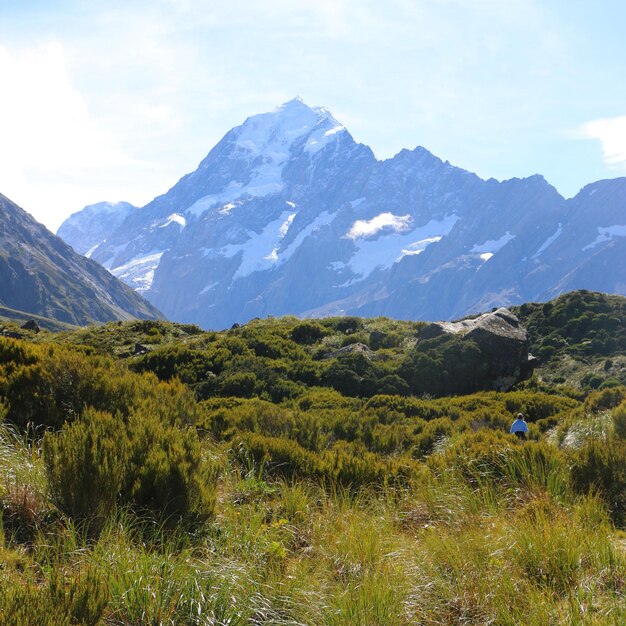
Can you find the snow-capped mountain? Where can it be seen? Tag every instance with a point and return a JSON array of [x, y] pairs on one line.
[[288, 214], [88, 228]]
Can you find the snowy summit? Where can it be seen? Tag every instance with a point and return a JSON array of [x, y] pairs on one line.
[[287, 214]]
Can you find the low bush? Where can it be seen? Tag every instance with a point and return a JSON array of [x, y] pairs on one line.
[[619, 420], [100, 461], [601, 466]]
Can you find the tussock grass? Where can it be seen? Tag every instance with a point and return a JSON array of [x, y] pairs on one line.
[[439, 551], [485, 530], [23, 482]]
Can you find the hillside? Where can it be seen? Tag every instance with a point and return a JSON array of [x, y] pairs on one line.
[[43, 276], [580, 338], [280, 358], [303, 472], [11, 315]]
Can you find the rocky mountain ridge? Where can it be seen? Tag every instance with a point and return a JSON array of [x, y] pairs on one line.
[[289, 215], [41, 275]]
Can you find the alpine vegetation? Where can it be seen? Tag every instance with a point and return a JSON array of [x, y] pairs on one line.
[[335, 471]]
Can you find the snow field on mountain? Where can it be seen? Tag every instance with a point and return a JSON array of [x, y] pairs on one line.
[[139, 272], [266, 141], [390, 247], [605, 234]]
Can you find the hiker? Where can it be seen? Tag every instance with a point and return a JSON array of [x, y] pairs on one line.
[[519, 427]]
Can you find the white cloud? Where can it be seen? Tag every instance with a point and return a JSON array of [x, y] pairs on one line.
[[60, 150], [44, 121], [46, 129], [384, 221], [611, 133]]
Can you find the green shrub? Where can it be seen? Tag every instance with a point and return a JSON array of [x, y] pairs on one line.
[[28, 604], [601, 466], [83, 594], [166, 362], [538, 406], [351, 465], [605, 399], [168, 473], [496, 458], [446, 365], [242, 384], [619, 420], [86, 464], [433, 433], [280, 457], [307, 333], [64, 599], [100, 461]]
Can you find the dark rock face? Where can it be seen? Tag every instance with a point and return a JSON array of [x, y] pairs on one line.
[[31, 325], [501, 339]]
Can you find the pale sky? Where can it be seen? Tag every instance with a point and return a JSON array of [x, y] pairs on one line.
[[117, 100]]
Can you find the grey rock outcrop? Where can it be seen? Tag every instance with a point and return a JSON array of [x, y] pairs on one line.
[[31, 325], [502, 341]]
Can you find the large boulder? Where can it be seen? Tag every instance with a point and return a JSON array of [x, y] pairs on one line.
[[502, 341]]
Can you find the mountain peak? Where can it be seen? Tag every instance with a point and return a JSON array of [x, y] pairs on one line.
[[294, 102], [276, 131]]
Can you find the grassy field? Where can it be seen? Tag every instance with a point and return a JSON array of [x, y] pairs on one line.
[[152, 473]]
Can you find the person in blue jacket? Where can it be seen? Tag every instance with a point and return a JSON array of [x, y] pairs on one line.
[[519, 427]]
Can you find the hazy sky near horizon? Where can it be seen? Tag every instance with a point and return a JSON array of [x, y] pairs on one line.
[[117, 100]]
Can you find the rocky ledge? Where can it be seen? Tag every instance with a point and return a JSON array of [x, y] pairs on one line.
[[502, 340]]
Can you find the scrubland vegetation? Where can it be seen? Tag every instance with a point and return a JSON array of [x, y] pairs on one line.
[[153, 473]]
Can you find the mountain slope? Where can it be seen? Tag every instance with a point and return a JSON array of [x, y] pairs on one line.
[[288, 214], [41, 274]]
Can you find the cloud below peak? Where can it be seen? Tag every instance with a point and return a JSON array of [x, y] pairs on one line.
[[611, 133], [383, 221]]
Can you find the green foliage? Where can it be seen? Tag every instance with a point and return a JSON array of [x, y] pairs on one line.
[[377, 507], [619, 420], [168, 473], [433, 434], [580, 323], [445, 365], [499, 460], [167, 362], [307, 333], [84, 595], [347, 464], [86, 464], [100, 461], [601, 466], [605, 399], [66, 600], [346, 325], [282, 457]]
